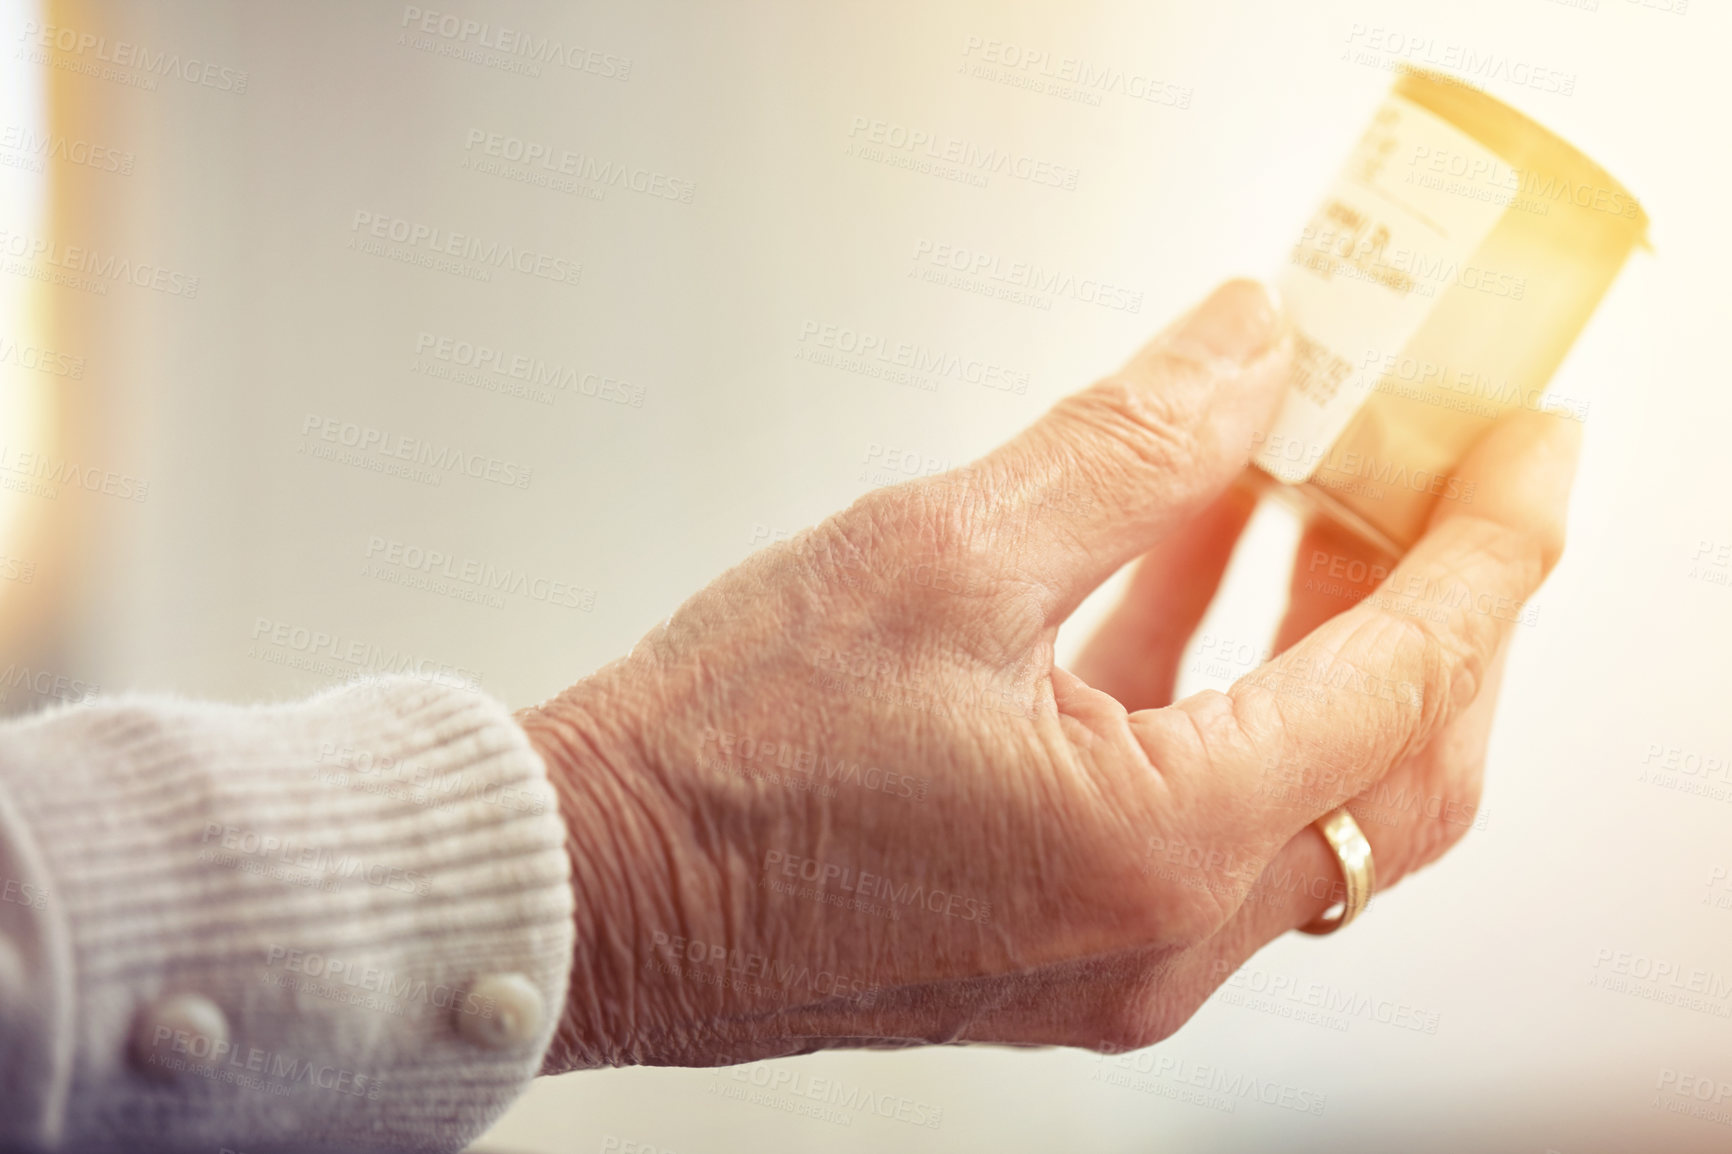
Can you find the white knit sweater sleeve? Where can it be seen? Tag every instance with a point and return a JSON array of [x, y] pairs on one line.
[[345, 922]]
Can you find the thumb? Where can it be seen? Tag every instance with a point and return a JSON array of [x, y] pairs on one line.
[[1111, 470]]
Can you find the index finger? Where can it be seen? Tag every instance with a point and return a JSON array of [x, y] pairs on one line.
[[1364, 690]]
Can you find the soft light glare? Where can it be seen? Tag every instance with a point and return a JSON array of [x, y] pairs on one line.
[[23, 199]]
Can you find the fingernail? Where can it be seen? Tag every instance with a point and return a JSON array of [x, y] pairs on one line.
[[1238, 322]]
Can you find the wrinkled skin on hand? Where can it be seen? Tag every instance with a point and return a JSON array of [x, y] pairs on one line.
[[844, 797]]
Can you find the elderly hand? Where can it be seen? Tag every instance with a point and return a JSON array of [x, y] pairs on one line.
[[844, 797]]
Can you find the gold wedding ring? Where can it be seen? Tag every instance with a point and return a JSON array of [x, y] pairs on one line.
[[1357, 872]]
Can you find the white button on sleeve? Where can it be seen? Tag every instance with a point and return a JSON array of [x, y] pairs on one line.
[[177, 1031], [502, 1011]]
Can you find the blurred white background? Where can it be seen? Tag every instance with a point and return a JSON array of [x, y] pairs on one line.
[[696, 423]]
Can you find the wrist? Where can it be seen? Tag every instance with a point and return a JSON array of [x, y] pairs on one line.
[[616, 838], [638, 875]]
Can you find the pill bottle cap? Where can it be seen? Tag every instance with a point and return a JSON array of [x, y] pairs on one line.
[[1524, 144]]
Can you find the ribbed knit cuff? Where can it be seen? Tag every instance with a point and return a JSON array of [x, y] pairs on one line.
[[346, 921]]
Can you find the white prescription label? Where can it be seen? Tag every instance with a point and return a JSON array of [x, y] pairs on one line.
[[1399, 227]]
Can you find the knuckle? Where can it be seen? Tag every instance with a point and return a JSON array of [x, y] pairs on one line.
[[1491, 569], [1449, 662], [1243, 731], [1256, 712], [925, 559], [1154, 428], [941, 517], [841, 561], [1445, 674], [1421, 670], [1432, 654], [845, 543]]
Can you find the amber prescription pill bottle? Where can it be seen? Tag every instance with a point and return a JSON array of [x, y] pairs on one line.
[[1449, 269]]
